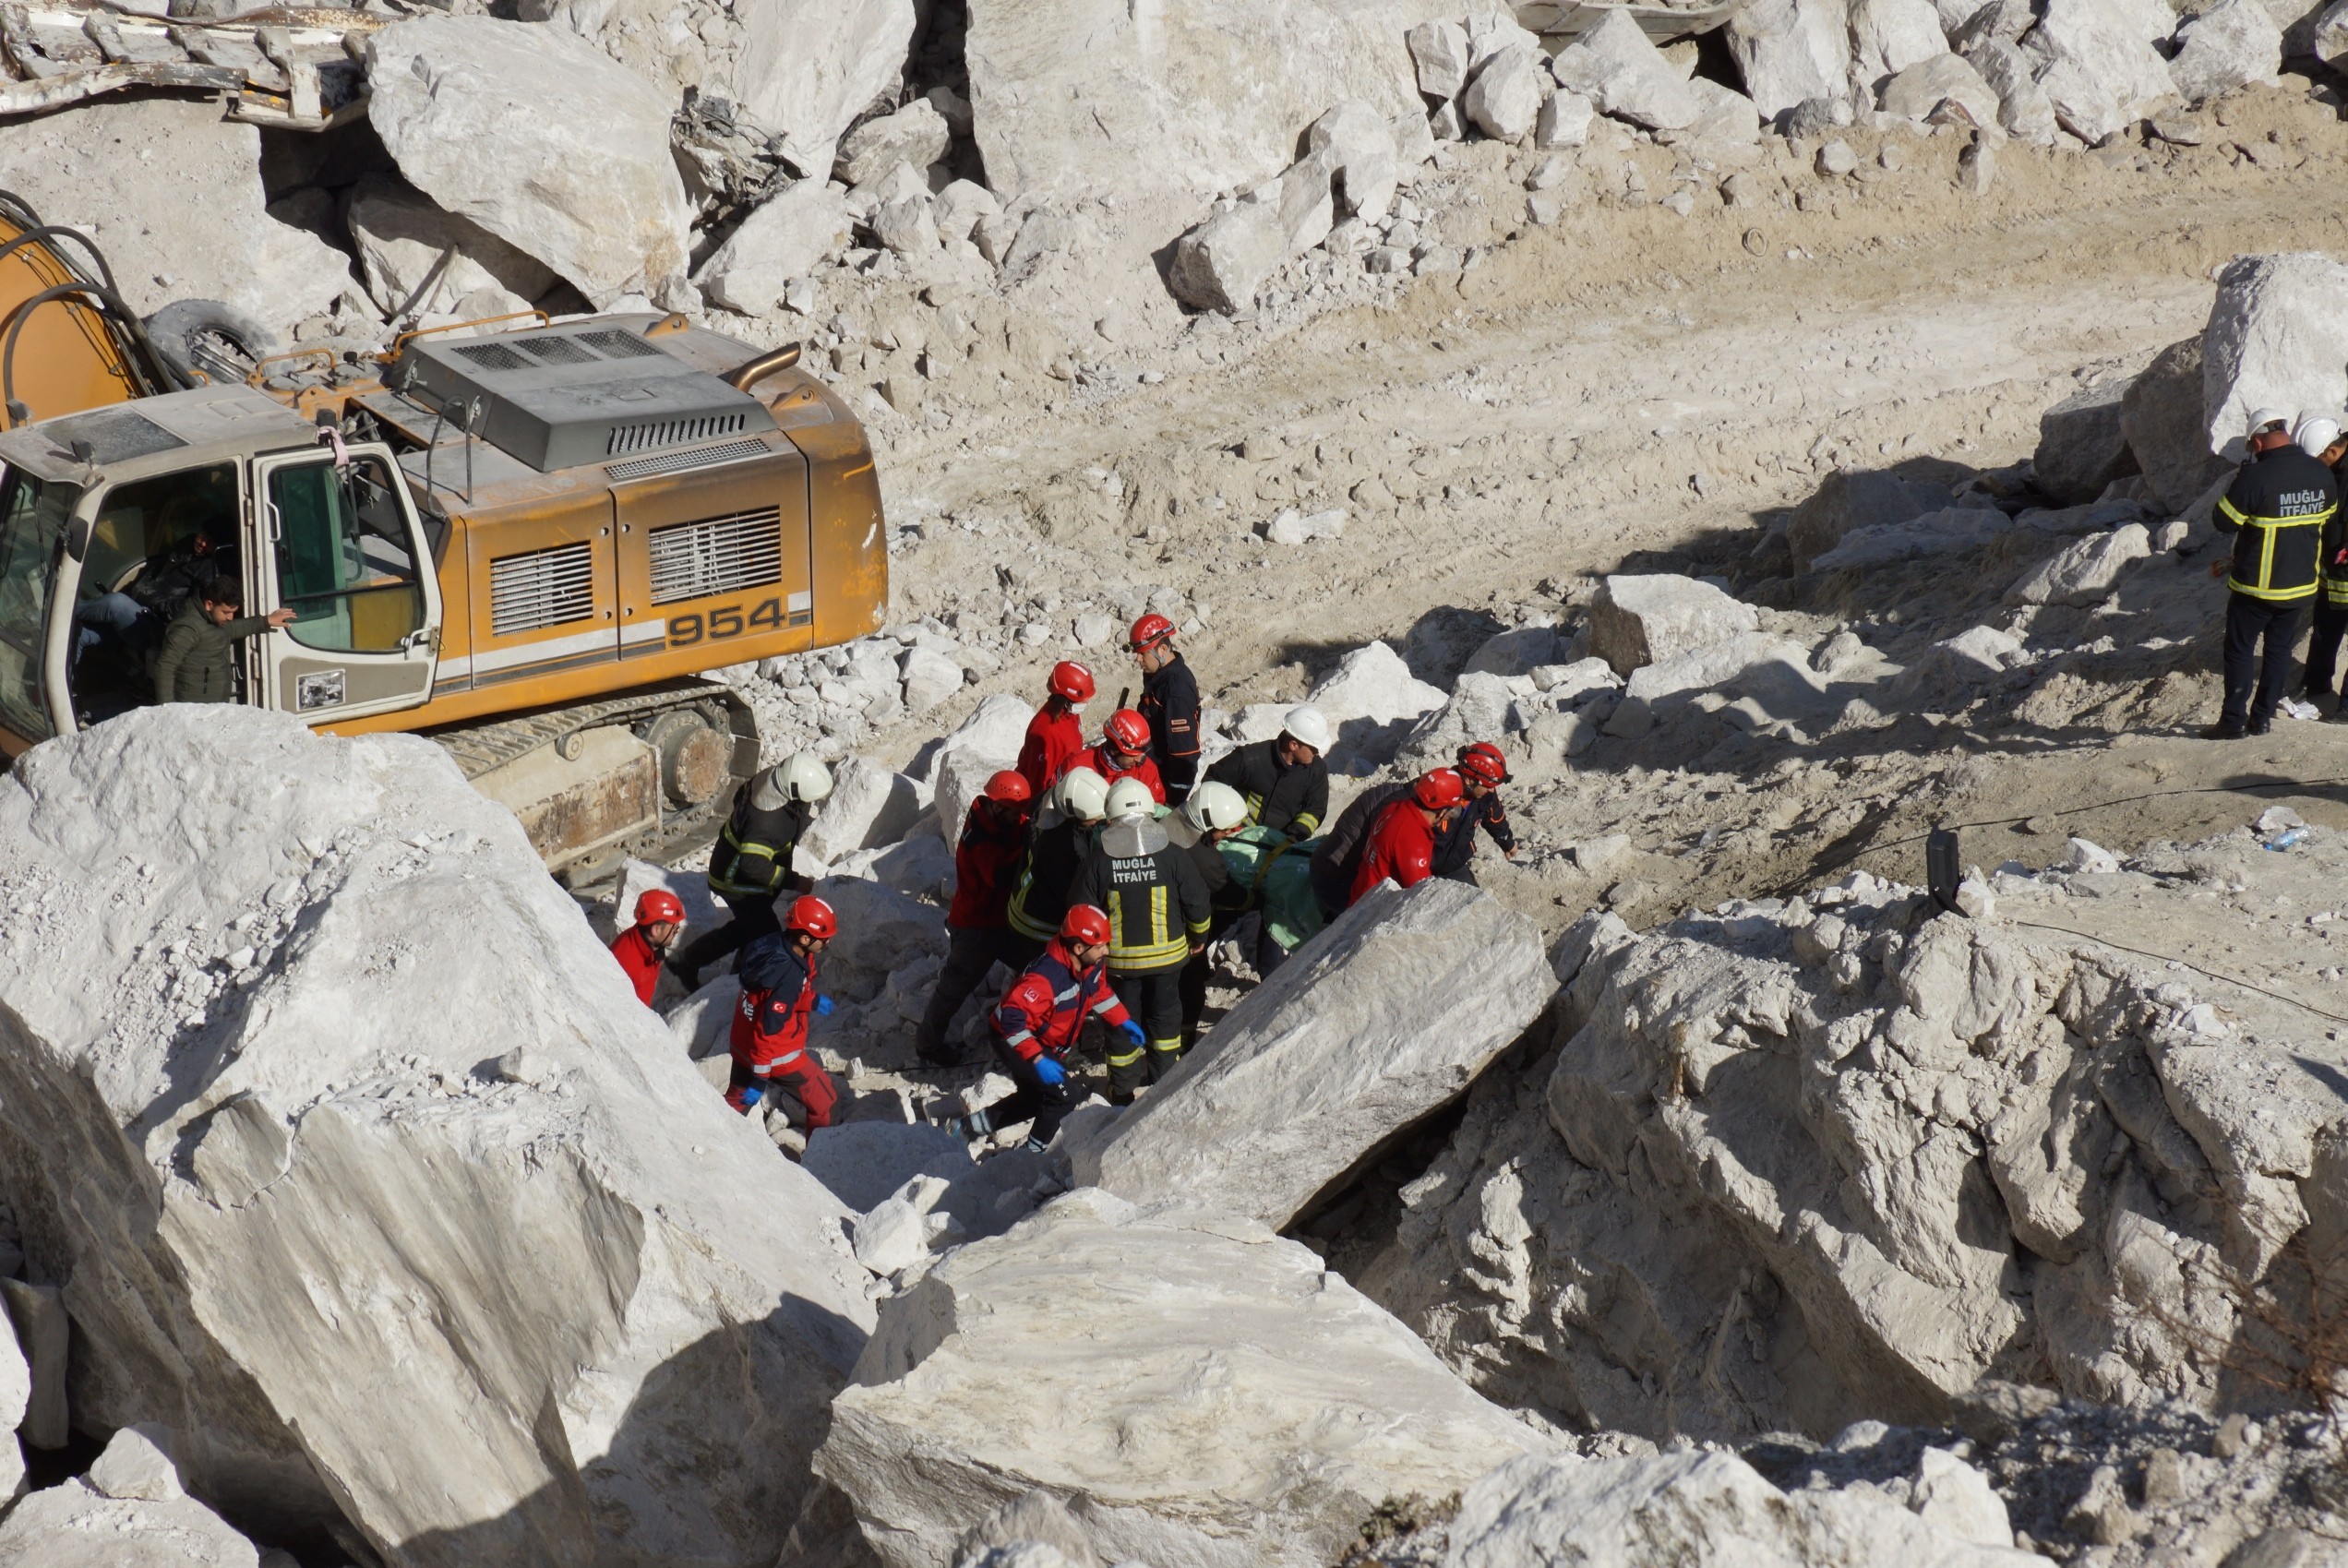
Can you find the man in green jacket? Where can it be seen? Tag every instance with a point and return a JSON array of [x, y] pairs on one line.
[[195, 664]]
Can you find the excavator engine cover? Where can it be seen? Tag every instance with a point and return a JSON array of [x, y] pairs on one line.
[[566, 396]]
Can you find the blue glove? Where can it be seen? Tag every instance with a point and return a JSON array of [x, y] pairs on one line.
[[1133, 1032], [822, 1006], [1051, 1072], [751, 1093]]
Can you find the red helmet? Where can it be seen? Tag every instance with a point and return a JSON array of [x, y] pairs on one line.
[[814, 916], [1438, 790], [1085, 924], [1151, 630], [1128, 731], [1483, 763], [659, 906], [1071, 680], [1009, 788]]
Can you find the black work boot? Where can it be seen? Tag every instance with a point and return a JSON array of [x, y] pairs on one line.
[[2261, 726], [2226, 729]]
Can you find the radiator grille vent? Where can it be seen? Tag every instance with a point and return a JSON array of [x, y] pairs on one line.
[[719, 555], [619, 345], [673, 432], [677, 462], [555, 351], [542, 588], [491, 356]]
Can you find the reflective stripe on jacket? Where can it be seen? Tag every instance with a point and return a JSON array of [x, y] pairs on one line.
[[1047, 1006], [2277, 509]]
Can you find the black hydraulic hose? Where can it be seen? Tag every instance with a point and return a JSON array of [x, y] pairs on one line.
[[53, 231]]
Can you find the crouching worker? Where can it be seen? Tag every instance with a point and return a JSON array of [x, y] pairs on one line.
[[1037, 1026], [770, 1038], [659, 917]]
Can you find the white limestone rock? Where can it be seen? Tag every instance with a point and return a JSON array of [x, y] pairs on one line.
[[401, 236], [2277, 336], [908, 225], [1439, 56], [1192, 1388], [1643, 618], [1888, 37], [1371, 699], [2081, 449], [1520, 652], [16, 1404], [138, 1466], [1617, 67], [75, 1525], [2024, 111], [805, 68], [981, 746], [863, 1162], [1915, 91], [782, 240], [2100, 70], [916, 137], [172, 194], [2229, 46], [1222, 263], [539, 137], [2085, 572], [1790, 50], [906, 1228], [1942, 533], [1505, 101], [1695, 1510], [2329, 42], [930, 677], [1854, 498], [870, 804], [1362, 147], [1167, 106], [1565, 120], [2161, 418], [637, 1310], [1381, 1020]]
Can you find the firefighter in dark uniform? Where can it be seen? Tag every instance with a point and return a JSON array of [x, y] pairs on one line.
[[2277, 510], [1213, 813], [1170, 702], [1482, 769], [1285, 781], [1158, 917], [1055, 852], [2332, 599], [750, 866]]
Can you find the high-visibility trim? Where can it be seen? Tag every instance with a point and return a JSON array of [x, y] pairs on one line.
[[1306, 821], [1014, 1041], [1108, 1001], [1021, 921], [725, 883], [2335, 590], [2269, 535], [1125, 1060], [1167, 1047]]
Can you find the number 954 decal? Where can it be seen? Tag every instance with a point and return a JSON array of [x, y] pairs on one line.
[[729, 621]]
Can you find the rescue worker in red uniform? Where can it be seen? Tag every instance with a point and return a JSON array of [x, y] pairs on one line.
[[1056, 735], [770, 1039], [1170, 706], [978, 934], [640, 947], [1482, 769], [1037, 1024], [1124, 753], [1402, 843]]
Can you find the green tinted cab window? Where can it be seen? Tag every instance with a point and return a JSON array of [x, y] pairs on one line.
[[33, 519], [345, 565]]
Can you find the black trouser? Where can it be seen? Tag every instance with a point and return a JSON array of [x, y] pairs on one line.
[[2254, 686], [1333, 893], [754, 918], [2323, 649], [970, 953], [1034, 1100], [1155, 998]]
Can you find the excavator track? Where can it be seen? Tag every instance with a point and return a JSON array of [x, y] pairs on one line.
[[647, 774]]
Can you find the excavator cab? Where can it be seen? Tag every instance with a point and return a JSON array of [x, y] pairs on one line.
[[110, 519]]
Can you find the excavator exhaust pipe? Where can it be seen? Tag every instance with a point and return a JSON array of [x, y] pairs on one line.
[[742, 378]]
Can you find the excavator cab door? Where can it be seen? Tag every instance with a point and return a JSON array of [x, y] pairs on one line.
[[340, 544]]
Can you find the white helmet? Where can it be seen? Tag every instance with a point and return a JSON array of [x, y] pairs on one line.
[[799, 776], [2262, 418], [2314, 431], [1083, 795], [1306, 724], [1215, 807], [1130, 798]]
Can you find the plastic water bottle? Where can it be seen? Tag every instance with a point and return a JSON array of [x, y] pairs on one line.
[[2286, 841]]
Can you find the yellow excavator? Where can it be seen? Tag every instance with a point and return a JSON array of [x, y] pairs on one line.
[[524, 538]]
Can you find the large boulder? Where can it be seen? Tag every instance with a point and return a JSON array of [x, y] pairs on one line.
[[1371, 699], [2084, 572], [1888, 37], [1222, 263], [2277, 337], [1196, 1390], [1789, 51], [2231, 45], [172, 194], [1943, 532], [2080, 448], [980, 747], [917, 136], [781, 241], [2099, 68], [870, 805], [1362, 149], [2160, 418], [1854, 498], [539, 137], [1505, 98], [1698, 1510], [1381, 1019], [369, 1177], [1915, 91], [2024, 111], [1167, 106], [1643, 618], [1614, 65]]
